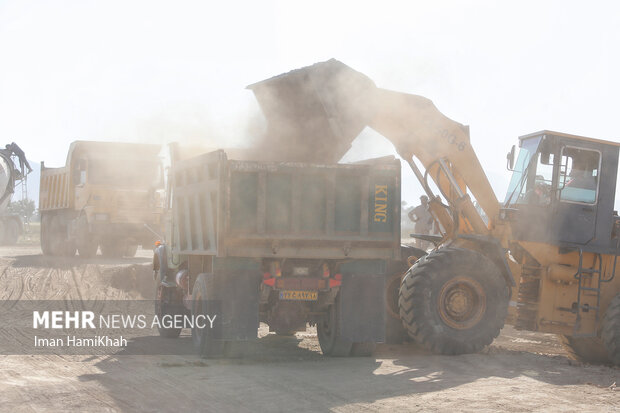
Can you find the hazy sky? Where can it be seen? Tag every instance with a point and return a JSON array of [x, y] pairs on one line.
[[162, 71]]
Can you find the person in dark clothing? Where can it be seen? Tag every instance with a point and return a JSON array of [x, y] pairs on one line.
[[21, 156]]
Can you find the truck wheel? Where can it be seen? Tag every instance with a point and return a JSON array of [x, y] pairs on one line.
[[205, 343], [11, 232], [88, 249], [60, 245], [165, 305], [453, 301], [45, 230], [363, 349], [112, 249], [130, 250], [328, 332], [611, 330], [586, 349]]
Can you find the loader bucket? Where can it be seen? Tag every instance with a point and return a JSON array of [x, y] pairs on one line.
[[313, 113]]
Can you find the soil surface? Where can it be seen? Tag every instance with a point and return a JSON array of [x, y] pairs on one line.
[[520, 371]]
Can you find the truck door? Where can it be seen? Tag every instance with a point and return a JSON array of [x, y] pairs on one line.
[[574, 220]]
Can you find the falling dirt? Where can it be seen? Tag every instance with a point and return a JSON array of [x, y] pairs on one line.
[[520, 371]]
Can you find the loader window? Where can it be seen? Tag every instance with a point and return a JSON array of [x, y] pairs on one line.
[[522, 175], [579, 175]]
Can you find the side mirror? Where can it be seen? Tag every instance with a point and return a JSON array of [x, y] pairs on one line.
[[510, 159]]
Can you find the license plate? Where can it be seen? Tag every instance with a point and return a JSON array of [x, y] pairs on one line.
[[299, 295]]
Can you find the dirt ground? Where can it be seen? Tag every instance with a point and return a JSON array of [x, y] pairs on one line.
[[519, 372]]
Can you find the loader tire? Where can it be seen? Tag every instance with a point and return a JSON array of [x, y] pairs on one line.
[[205, 342], [453, 301], [611, 330], [328, 332], [395, 332], [585, 349]]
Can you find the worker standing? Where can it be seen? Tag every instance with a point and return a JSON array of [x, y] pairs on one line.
[[423, 220]]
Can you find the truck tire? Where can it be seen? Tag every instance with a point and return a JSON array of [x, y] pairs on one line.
[[328, 331], [453, 301], [112, 249], [585, 349], [205, 344], [60, 244], [45, 229], [130, 250], [611, 330], [165, 305], [363, 349], [88, 249]]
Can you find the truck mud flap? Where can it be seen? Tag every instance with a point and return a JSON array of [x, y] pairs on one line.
[[237, 293], [362, 307]]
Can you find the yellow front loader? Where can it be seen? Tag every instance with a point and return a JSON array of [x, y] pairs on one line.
[[548, 252]]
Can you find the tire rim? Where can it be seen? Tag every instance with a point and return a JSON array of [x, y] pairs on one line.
[[461, 303]]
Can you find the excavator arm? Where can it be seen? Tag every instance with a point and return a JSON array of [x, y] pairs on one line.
[[314, 113]]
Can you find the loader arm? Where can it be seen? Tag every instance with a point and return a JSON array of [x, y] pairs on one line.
[[333, 103]]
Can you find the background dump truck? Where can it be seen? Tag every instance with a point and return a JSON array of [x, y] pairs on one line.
[[102, 197], [281, 243]]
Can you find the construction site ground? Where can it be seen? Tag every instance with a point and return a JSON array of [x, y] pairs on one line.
[[520, 371]]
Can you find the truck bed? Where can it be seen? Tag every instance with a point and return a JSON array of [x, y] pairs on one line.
[[230, 208]]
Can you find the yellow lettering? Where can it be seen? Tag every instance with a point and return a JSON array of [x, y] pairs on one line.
[[380, 218], [381, 189]]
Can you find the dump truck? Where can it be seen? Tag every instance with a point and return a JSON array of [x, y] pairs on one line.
[[11, 225], [549, 251], [283, 243], [108, 195]]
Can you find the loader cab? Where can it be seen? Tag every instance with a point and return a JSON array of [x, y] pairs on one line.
[[562, 191]]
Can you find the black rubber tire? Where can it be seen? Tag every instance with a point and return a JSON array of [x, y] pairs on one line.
[[395, 332], [421, 293], [87, 249], [328, 332], [611, 330], [204, 341], [60, 245], [585, 349], [112, 249], [363, 349], [45, 234], [165, 304], [130, 250]]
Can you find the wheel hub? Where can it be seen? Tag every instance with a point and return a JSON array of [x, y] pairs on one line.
[[461, 303]]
